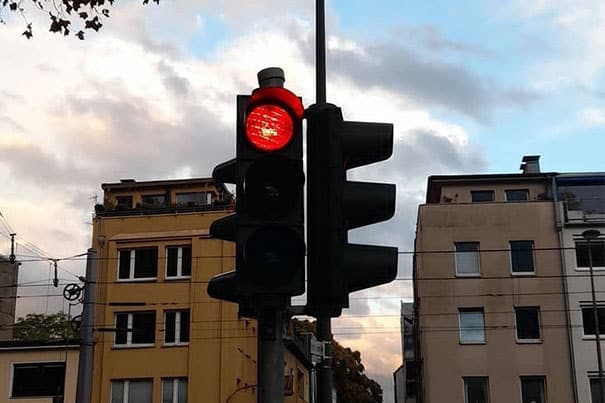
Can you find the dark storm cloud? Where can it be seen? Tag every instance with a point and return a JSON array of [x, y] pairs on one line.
[[429, 81]]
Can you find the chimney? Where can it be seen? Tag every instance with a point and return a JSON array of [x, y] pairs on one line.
[[530, 164]]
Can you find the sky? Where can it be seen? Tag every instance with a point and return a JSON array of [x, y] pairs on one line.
[[470, 86]]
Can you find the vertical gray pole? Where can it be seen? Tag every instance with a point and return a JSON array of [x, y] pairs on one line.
[[320, 51], [270, 353], [324, 368], [324, 326], [84, 386], [596, 324]]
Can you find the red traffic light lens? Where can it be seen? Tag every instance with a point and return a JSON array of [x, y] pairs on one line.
[[269, 127]]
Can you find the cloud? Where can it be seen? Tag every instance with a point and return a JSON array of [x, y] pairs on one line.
[[593, 117], [429, 38], [431, 82], [30, 163]]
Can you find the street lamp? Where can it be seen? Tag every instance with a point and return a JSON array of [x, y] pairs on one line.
[[590, 235]]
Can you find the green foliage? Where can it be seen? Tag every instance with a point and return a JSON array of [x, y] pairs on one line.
[[41, 327], [352, 384], [62, 13]]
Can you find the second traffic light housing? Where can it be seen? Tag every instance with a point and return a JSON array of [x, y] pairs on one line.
[[335, 205]]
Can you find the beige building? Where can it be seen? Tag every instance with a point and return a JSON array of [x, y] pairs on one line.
[[490, 307], [8, 293], [159, 336], [38, 371]]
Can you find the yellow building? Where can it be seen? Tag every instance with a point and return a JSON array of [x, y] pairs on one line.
[[154, 258]]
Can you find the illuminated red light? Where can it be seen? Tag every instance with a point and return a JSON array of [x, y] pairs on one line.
[[269, 127]]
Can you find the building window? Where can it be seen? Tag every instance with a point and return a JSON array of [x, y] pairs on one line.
[[178, 261], [131, 391], [597, 248], [123, 202], [522, 257], [532, 389], [517, 195], [588, 320], [174, 390], [472, 326], [176, 328], [137, 264], [476, 390], [193, 199], [467, 258], [595, 390], [135, 328], [482, 196], [154, 201], [527, 323], [38, 379]]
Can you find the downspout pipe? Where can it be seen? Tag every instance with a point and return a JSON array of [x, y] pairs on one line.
[[559, 229]]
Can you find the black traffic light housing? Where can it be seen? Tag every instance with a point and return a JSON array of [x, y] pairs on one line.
[[335, 205], [268, 225]]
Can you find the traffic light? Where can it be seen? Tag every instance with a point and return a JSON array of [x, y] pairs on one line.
[[335, 205], [268, 225]]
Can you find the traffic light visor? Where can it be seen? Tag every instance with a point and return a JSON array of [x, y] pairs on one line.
[[269, 127]]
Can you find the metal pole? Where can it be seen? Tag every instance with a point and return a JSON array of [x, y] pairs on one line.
[[320, 51], [270, 352], [596, 324], [324, 368], [84, 386], [324, 326]]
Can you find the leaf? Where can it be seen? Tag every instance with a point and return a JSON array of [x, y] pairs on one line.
[[105, 12]]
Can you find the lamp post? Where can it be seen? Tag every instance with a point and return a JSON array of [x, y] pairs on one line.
[[590, 235]]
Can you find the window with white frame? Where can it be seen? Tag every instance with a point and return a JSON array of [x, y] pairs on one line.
[[532, 389], [597, 250], [467, 258], [472, 325], [476, 389], [176, 328], [135, 328], [178, 261], [588, 320], [38, 379], [527, 323], [174, 390], [138, 264], [522, 257], [131, 391]]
